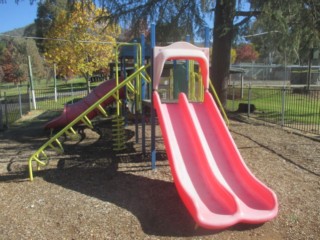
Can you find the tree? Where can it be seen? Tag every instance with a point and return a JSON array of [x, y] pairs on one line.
[[246, 52], [14, 59], [46, 13], [177, 18], [223, 35], [292, 29], [1, 74], [189, 15], [28, 47], [12, 71], [78, 44]]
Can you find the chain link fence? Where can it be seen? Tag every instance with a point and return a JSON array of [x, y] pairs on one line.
[[293, 107], [13, 107], [17, 101]]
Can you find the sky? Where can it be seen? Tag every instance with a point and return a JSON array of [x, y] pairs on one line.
[[14, 15]]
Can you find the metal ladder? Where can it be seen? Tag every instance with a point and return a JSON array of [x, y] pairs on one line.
[[40, 157]]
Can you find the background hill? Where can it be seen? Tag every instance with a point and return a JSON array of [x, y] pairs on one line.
[[23, 31]]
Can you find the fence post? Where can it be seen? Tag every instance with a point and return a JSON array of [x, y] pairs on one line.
[[1, 115], [233, 89], [242, 79], [72, 93], [283, 99], [249, 99], [20, 102], [55, 82], [6, 109], [31, 84]]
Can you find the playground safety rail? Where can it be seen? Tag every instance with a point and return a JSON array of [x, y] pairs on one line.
[[130, 86], [219, 103]]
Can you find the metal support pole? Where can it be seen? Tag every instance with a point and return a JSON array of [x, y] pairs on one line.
[[72, 92], [188, 69], [6, 110], [143, 50], [283, 98], [143, 96], [137, 96], [153, 121], [1, 115], [20, 101], [143, 122], [55, 82], [249, 99], [233, 95], [242, 80], [31, 84], [309, 70]]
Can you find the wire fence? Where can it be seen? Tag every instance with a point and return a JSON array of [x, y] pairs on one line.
[[19, 102], [288, 106], [293, 107], [47, 100], [13, 108]]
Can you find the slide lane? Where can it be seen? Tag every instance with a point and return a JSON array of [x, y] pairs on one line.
[[256, 202], [210, 176]]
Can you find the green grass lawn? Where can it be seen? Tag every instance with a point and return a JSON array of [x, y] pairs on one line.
[[78, 83], [271, 102]]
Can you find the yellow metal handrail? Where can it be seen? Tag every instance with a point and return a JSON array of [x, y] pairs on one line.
[[219, 103], [138, 77], [40, 156]]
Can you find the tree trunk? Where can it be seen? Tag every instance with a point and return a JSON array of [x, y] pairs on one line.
[[87, 77], [222, 40], [88, 85]]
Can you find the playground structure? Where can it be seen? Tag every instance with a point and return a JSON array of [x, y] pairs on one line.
[[210, 176]]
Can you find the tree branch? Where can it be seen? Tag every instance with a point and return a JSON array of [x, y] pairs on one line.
[[243, 21], [243, 13], [247, 13]]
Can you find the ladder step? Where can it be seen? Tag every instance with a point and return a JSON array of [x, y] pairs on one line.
[[102, 111], [87, 121], [38, 161], [131, 87], [72, 134], [58, 149]]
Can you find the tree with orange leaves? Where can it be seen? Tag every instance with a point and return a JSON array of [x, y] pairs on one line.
[[78, 44], [246, 52]]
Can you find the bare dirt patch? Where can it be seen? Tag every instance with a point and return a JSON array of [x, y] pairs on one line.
[[91, 192]]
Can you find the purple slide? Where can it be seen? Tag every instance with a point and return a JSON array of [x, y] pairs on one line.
[[72, 111]]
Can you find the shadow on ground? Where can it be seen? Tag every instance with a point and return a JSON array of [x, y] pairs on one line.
[[155, 203], [93, 170], [30, 129]]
